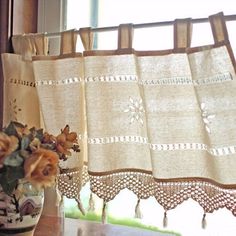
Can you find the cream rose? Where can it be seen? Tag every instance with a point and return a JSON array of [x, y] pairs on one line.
[[41, 168], [8, 144]]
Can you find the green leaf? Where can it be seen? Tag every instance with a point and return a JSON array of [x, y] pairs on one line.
[[15, 159], [11, 130], [25, 154], [7, 187], [39, 134], [25, 141], [15, 173], [9, 179]]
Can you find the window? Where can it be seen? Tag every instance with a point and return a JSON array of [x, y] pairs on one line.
[[186, 219], [80, 13]]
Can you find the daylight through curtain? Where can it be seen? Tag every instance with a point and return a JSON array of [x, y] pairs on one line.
[[160, 123]]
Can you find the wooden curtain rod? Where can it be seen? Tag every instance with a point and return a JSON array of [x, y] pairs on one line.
[[146, 25]]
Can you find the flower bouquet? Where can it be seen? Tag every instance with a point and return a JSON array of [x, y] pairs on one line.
[[29, 156]]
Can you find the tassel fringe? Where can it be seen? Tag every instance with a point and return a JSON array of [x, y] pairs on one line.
[[138, 213], [59, 198], [91, 203], [204, 222], [104, 215], [80, 232], [165, 220], [80, 206]]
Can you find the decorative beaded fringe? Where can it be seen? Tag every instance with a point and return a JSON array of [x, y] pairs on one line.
[[104, 215], [138, 213], [80, 206], [91, 206], [204, 222], [165, 220]]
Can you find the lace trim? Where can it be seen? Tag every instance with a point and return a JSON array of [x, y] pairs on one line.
[[118, 139], [59, 82], [188, 80], [163, 81], [134, 78], [111, 78], [168, 81], [22, 82], [215, 151], [220, 151], [214, 79], [71, 181], [168, 194]]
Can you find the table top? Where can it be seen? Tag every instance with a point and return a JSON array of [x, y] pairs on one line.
[[55, 226]]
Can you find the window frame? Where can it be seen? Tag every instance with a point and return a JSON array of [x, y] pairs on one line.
[[51, 15]]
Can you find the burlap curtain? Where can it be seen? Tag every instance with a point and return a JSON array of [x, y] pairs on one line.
[[160, 123], [20, 95]]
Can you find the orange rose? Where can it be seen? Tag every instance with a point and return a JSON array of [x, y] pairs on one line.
[[66, 141], [8, 144], [41, 168]]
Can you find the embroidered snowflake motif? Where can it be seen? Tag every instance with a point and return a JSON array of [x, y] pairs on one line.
[[136, 110], [14, 109], [206, 117]]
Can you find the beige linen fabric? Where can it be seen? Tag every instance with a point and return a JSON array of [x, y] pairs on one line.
[[20, 96], [172, 90], [60, 91], [59, 82], [60, 86], [159, 123]]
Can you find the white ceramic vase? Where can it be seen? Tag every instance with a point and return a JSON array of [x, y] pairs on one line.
[[20, 212]]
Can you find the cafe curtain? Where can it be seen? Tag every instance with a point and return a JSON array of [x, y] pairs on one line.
[[160, 123]]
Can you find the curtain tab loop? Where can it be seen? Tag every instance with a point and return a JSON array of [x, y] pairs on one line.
[[218, 27], [24, 46], [86, 36], [182, 33], [40, 42], [68, 42], [125, 36], [17, 44]]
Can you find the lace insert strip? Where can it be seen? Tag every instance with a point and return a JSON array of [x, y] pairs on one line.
[[220, 78], [71, 80], [215, 151]]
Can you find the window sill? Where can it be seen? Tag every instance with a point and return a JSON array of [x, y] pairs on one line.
[[54, 226]]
